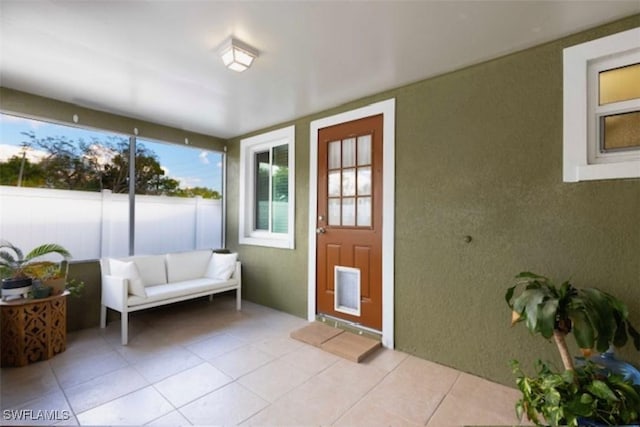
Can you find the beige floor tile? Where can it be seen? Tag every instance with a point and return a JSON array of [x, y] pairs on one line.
[[216, 346], [136, 408], [172, 419], [241, 361], [251, 332], [274, 416], [386, 359], [86, 342], [319, 401], [192, 352], [408, 397], [20, 385], [455, 410], [278, 346], [47, 409], [190, 333], [167, 363], [74, 371], [229, 405], [437, 376], [369, 413], [274, 379], [188, 385], [102, 389], [310, 359], [485, 394], [145, 346]]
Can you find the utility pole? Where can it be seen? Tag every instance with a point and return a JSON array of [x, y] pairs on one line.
[[24, 155]]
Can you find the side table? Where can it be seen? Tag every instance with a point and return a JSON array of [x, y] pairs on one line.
[[33, 329]]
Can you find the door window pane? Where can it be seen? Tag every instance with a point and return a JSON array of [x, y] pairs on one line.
[[364, 181], [334, 184], [334, 154], [349, 211], [348, 153], [334, 211], [349, 182], [364, 211], [364, 150]]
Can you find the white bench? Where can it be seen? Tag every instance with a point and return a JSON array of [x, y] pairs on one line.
[[140, 282]]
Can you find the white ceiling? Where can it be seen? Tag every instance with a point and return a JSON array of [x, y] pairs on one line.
[[156, 60]]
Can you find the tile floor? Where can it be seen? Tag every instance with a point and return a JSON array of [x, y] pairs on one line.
[[203, 363]]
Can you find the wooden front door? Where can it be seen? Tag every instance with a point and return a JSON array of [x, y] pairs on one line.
[[349, 222]]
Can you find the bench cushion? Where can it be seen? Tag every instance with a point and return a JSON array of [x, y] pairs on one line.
[[128, 270], [151, 268], [221, 266], [187, 265], [177, 289]]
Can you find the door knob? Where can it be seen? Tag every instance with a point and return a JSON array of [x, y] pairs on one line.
[[320, 230]]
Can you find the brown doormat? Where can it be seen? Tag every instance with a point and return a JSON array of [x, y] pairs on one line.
[[337, 341], [315, 333], [351, 346]]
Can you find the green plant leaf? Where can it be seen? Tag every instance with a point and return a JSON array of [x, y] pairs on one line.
[[601, 315], [586, 398], [547, 317], [46, 249], [509, 295], [635, 335], [582, 329], [530, 275], [602, 390]]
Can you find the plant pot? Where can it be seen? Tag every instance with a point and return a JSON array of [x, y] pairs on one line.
[[41, 292], [16, 283], [57, 285]]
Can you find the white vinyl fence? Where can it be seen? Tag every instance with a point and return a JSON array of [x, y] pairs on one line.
[[92, 225]]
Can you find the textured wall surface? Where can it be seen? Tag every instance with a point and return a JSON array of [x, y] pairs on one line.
[[478, 153]]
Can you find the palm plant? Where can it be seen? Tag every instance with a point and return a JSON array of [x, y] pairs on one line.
[[597, 320], [14, 263]]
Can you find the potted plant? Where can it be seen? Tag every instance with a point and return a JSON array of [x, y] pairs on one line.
[[17, 269], [579, 394]]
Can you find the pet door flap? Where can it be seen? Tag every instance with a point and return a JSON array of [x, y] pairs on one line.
[[347, 290]]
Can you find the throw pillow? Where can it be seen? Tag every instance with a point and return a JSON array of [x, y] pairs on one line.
[[221, 266], [129, 271]]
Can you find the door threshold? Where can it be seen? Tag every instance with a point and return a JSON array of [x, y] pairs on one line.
[[349, 326]]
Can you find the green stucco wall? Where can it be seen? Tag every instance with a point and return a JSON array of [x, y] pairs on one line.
[[478, 153]]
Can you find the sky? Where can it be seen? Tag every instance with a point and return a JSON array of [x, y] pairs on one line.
[[193, 167]]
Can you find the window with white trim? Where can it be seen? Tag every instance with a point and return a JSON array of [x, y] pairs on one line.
[[602, 108], [267, 188]]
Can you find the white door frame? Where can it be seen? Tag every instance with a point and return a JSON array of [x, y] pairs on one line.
[[387, 109]]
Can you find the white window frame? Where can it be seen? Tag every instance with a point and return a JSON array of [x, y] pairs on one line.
[[249, 147], [582, 159]]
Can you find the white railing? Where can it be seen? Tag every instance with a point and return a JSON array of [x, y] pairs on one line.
[[92, 225]]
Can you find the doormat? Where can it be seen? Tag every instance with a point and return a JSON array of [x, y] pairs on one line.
[[345, 344], [316, 333]]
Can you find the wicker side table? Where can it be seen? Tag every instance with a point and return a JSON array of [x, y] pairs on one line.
[[33, 329]]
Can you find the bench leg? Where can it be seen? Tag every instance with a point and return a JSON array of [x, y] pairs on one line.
[[125, 328], [210, 297], [238, 299], [103, 316]]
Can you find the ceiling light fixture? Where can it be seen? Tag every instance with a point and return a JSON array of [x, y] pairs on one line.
[[236, 55]]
